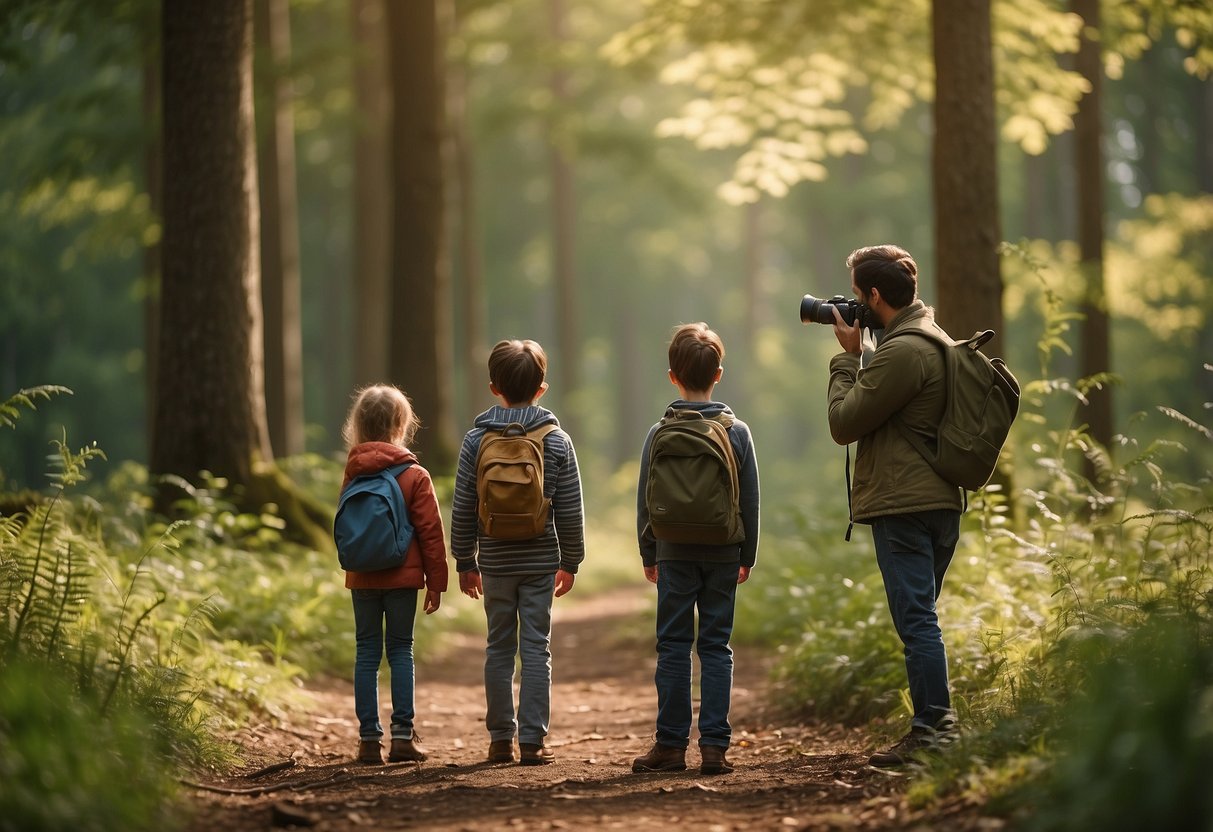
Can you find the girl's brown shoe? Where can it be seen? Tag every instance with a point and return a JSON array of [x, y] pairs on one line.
[[661, 758], [713, 760], [370, 752], [534, 754], [407, 751], [501, 751]]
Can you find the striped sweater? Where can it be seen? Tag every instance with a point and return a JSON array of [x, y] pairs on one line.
[[562, 545]]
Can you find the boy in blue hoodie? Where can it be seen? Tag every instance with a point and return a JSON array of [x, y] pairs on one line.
[[697, 576], [518, 577]]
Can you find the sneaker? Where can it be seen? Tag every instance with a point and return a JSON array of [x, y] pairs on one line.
[[713, 760], [407, 751], [910, 748], [501, 751], [530, 754], [370, 752], [661, 758]]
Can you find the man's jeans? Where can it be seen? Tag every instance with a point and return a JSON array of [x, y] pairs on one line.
[[519, 612], [372, 607], [683, 586], [913, 551]]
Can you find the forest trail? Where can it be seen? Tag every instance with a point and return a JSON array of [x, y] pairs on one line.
[[789, 776]]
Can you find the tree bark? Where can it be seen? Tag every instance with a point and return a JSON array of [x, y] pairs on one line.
[[964, 170], [372, 194], [470, 276], [153, 162], [1095, 352], [210, 407], [1202, 107], [280, 282], [420, 339], [563, 207]]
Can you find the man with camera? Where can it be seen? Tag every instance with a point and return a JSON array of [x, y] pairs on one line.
[[876, 394]]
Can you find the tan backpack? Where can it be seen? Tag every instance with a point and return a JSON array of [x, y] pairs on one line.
[[509, 483]]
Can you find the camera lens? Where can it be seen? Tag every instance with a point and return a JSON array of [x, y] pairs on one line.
[[817, 311]]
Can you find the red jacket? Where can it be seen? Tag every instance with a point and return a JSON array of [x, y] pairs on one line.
[[425, 564]]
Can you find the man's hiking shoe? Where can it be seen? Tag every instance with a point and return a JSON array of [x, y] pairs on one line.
[[911, 748], [535, 754], [370, 752], [661, 758], [501, 751], [713, 760], [407, 751]]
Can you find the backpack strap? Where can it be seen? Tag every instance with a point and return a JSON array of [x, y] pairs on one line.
[[676, 414]]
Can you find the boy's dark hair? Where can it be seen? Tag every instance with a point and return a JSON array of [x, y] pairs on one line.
[[696, 353], [517, 369], [888, 268]]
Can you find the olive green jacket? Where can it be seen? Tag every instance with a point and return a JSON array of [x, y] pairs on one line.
[[903, 377]]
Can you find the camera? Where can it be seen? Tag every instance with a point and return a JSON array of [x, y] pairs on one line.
[[816, 310]]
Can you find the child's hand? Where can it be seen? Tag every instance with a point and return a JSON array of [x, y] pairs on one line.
[[743, 574], [650, 572], [564, 582], [433, 600], [470, 584]]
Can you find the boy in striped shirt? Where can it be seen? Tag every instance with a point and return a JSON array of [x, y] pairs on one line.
[[519, 578]]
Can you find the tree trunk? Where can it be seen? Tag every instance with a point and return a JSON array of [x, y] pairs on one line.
[[372, 194], [420, 332], [210, 402], [632, 410], [153, 161], [1095, 352], [1036, 218], [280, 236], [476, 396], [563, 207], [964, 170], [1202, 107], [210, 406]]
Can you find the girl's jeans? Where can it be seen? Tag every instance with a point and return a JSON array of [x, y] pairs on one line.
[[683, 586], [519, 613], [372, 607], [913, 551]]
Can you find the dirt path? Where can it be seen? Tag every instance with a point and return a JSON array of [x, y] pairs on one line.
[[789, 776]]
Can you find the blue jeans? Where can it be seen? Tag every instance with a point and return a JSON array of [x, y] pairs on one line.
[[519, 613], [683, 586], [913, 551], [372, 607]]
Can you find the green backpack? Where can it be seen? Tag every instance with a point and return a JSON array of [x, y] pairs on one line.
[[983, 399], [692, 491]]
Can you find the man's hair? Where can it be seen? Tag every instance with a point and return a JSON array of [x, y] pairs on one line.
[[888, 268], [380, 413], [517, 369], [696, 353]]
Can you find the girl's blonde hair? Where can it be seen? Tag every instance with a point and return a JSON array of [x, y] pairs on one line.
[[381, 413]]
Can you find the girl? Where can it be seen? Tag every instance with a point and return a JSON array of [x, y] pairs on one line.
[[378, 430]]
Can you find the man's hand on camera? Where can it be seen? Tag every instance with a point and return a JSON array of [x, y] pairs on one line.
[[850, 338]]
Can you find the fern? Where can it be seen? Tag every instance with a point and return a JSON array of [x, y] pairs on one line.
[[10, 409], [49, 580]]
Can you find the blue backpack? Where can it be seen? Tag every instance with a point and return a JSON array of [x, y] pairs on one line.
[[372, 529]]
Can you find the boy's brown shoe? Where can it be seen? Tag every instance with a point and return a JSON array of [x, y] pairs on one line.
[[370, 752], [713, 760], [535, 755], [501, 751], [661, 758], [408, 751]]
